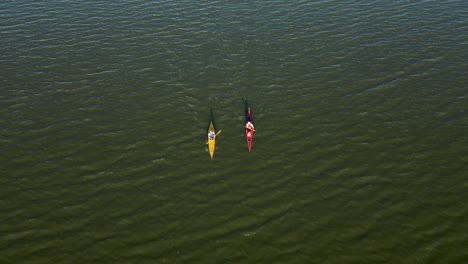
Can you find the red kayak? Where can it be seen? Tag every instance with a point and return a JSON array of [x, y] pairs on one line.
[[249, 128]]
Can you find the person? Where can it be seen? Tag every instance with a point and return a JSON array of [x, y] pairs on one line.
[[250, 126], [211, 135]]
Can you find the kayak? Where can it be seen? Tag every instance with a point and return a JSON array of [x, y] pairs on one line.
[[212, 135], [211, 139], [249, 133]]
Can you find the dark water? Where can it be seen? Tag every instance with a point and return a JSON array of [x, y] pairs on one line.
[[360, 152]]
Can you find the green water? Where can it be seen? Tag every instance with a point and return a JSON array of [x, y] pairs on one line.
[[360, 151]]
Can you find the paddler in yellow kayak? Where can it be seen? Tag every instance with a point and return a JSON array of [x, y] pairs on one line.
[[212, 139]]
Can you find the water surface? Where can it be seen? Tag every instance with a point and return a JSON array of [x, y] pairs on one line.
[[359, 155]]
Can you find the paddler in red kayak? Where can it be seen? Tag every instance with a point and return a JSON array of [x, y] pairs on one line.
[[250, 127]]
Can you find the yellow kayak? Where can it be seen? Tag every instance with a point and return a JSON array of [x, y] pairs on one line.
[[211, 139]]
